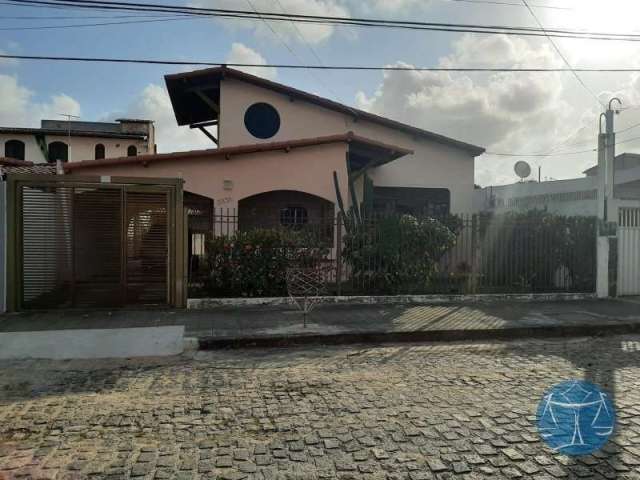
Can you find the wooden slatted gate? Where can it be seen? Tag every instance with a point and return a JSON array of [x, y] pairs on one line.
[[629, 251], [81, 244]]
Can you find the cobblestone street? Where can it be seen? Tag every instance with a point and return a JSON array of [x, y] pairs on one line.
[[398, 412]]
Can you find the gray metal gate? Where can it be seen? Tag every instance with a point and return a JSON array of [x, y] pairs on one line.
[[629, 251]]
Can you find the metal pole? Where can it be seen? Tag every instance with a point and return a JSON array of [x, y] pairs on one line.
[[610, 155]]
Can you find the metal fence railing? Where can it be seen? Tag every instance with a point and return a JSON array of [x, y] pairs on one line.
[[407, 255]]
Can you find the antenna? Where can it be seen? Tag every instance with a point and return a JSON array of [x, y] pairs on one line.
[[69, 117], [522, 169]]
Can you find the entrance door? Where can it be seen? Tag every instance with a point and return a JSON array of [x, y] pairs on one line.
[[629, 251]]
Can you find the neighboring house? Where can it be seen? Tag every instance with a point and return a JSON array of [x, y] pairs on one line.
[[278, 148], [577, 196], [73, 141]]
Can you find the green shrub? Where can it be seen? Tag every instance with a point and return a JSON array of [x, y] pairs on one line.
[[539, 251], [254, 263], [396, 254]]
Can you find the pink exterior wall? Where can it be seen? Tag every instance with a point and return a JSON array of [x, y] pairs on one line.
[[432, 165], [306, 169]]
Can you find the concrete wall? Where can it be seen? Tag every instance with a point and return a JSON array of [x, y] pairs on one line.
[[309, 169], [434, 165], [563, 197], [81, 148], [96, 343]]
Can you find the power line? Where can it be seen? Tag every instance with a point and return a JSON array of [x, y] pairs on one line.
[[313, 52], [557, 49], [99, 24], [283, 42], [342, 21], [628, 128], [559, 154], [502, 154], [511, 4], [316, 67], [302, 37], [77, 17]]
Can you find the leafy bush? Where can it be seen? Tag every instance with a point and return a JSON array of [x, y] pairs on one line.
[[539, 251], [253, 263], [396, 254]]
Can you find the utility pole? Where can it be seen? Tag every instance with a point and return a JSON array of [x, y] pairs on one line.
[[608, 174], [606, 207]]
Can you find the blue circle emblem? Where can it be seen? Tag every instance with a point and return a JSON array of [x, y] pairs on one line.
[[575, 417]]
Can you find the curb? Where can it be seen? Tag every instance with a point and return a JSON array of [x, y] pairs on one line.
[[212, 343], [208, 303]]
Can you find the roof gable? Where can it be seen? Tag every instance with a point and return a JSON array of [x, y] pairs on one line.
[[186, 91]]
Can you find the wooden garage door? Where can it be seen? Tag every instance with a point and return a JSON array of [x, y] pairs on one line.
[[85, 246]]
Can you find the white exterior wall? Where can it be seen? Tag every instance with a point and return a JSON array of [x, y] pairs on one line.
[[433, 165], [80, 148], [521, 197]]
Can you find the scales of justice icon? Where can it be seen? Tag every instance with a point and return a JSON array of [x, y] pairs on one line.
[[576, 418]]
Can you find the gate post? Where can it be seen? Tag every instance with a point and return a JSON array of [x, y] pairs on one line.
[[606, 266], [338, 254]]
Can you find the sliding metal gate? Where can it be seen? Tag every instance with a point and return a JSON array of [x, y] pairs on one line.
[[93, 244], [629, 251]]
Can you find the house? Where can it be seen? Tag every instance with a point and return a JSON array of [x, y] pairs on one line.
[[73, 140], [576, 196], [278, 148]]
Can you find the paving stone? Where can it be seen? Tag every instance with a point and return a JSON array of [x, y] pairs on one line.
[[399, 412], [436, 465]]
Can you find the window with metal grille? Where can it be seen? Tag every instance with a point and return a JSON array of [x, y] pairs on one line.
[[132, 151], [100, 152], [293, 216], [14, 149]]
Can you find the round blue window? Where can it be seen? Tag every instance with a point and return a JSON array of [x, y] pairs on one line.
[[262, 120]]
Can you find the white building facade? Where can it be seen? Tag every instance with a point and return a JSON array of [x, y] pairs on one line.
[[74, 141]]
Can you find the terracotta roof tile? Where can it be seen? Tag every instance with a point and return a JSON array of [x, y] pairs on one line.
[[392, 151]]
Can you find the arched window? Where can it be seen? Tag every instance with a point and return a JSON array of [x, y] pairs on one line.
[[58, 151], [14, 149], [99, 151], [132, 151]]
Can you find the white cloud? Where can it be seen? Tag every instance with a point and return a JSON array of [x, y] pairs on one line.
[[153, 104], [311, 33], [240, 53], [506, 112], [18, 108]]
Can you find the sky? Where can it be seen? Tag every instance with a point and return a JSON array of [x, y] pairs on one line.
[[520, 113]]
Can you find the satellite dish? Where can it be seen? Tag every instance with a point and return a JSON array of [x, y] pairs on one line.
[[522, 169]]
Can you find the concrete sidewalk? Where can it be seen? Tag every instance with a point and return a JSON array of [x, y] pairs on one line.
[[338, 324]]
